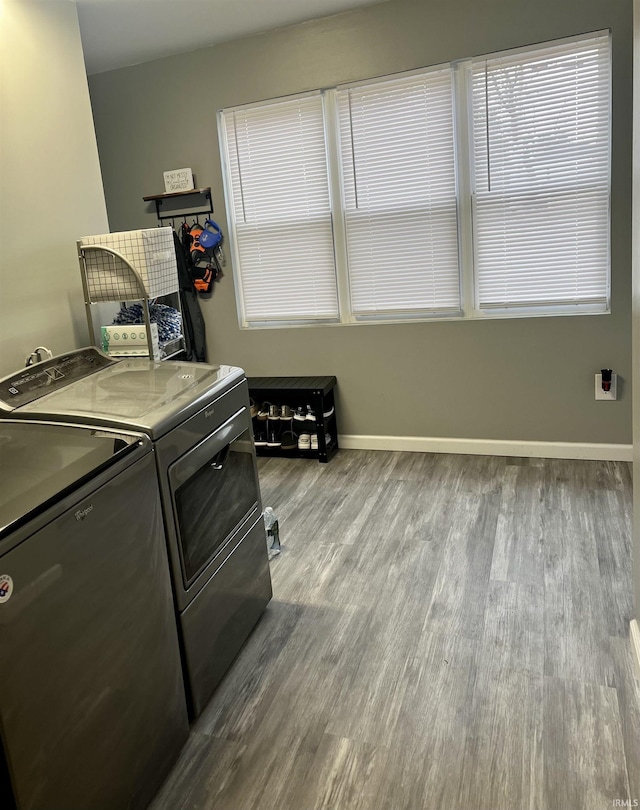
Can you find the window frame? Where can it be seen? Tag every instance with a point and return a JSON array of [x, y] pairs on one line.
[[462, 102]]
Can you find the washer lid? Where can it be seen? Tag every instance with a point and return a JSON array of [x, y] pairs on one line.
[[136, 393], [41, 463]]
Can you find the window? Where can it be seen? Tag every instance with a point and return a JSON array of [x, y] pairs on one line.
[[278, 198], [399, 191], [478, 189], [541, 176]]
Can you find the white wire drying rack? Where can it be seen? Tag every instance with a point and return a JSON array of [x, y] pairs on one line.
[[108, 276]]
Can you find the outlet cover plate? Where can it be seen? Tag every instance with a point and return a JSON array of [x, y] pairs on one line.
[[610, 395]]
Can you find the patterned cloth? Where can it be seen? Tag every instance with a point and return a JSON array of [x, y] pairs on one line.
[[168, 319]]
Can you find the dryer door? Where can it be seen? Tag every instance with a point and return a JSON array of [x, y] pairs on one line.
[[214, 488]]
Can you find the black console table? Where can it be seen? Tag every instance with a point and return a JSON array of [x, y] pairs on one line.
[[300, 392]]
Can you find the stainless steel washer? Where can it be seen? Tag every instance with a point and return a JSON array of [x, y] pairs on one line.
[[198, 418], [92, 707]]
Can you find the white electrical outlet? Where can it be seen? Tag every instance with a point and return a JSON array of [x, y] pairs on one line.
[[607, 395]]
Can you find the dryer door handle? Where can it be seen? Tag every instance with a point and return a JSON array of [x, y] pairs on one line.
[[209, 451], [220, 459]]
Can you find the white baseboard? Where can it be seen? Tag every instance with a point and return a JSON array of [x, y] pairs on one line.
[[635, 645], [491, 447]]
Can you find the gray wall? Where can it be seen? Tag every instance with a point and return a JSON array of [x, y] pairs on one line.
[[51, 190], [520, 379]]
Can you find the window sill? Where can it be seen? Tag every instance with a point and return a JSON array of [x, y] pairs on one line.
[[486, 315]]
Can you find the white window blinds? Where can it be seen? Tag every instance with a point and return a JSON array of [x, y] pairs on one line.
[[278, 191], [473, 189], [541, 175], [399, 186]]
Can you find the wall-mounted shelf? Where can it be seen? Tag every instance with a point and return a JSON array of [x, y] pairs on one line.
[[151, 197], [172, 205]]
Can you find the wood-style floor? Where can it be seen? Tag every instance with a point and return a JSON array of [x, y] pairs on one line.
[[446, 632]]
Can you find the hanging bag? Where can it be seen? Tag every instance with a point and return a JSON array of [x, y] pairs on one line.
[[211, 235], [205, 268]]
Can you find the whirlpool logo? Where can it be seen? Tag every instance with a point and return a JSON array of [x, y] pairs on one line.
[[6, 587], [209, 413], [82, 513]]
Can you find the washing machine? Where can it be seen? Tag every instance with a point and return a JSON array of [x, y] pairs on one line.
[[199, 421], [92, 707]]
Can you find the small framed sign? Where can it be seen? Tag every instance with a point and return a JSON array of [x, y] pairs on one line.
[[178, 180]]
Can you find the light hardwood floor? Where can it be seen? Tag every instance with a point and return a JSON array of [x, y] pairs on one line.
[[446, 632]]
